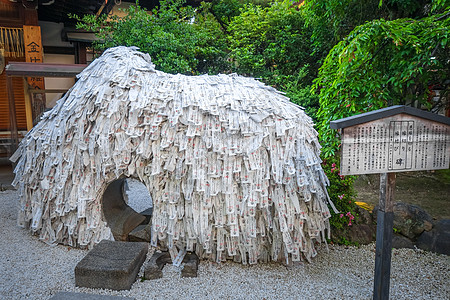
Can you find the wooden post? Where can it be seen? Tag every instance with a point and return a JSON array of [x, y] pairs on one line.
[[28, 105], [385, 221], [12, 115], [33, 53]]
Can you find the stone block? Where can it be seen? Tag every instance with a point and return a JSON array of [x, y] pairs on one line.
[[190, 266], [411, 220], [153, 268], [147, 214], [399, 241], [84, 296], [111, 265], [142, 233], [436, 240]]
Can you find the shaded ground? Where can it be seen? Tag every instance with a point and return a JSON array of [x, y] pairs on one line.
[[429, 190], [6, 174]]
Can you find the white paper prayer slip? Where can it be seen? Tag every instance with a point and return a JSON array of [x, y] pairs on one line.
[[232, 165]]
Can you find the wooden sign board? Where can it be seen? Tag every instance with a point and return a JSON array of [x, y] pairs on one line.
[[397, 143], [386, 141], [33, 52]]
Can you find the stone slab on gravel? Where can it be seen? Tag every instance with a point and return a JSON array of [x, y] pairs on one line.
[[84, 296], [400, 241], [111, 265]]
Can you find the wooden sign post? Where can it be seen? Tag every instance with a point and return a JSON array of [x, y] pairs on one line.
[[34, 103], [386, 141]]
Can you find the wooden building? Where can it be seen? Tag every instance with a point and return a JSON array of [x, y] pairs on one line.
[[39, 32]]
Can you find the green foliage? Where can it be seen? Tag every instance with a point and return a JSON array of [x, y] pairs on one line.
[[271, 43], [342, 194], [304, 97], [226, 10], [439, 6], [381, 63], [176, 43], [343, 241], [332, 20]]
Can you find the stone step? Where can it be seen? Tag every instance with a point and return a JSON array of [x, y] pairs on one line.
[[111, 265]]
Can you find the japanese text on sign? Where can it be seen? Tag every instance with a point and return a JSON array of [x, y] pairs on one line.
[[395, 144], [33, 52]]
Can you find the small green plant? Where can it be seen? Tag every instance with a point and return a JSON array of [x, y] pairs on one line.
[[342, 194]]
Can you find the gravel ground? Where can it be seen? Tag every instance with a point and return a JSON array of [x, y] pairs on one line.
[[31, 269]]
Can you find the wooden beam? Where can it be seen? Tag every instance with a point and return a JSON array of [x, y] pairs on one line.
[[47, 91], [59, 50], [12, 115], [82, 53], [28, 107], [30, 12], [44, 69]]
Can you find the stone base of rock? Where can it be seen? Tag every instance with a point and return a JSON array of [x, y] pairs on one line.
[[153, 268], [111, 265], [400, 241], [413, 226], [84, 296], [190, 265], [437, 240], [147, 214], [142, 233]]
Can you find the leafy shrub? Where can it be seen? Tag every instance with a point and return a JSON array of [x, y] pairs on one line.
[[226, 10], [179, 39], [271, 43], [342, 194], [382, 63]]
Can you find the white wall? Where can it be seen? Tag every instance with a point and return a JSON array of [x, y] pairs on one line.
[[57, 83]]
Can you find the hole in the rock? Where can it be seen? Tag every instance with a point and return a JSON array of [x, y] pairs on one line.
[[136, 195], [127, 210]]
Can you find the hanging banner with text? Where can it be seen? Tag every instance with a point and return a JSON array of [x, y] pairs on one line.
[[395, 144]]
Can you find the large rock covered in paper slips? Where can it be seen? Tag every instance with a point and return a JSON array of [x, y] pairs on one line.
[[231, 164]]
